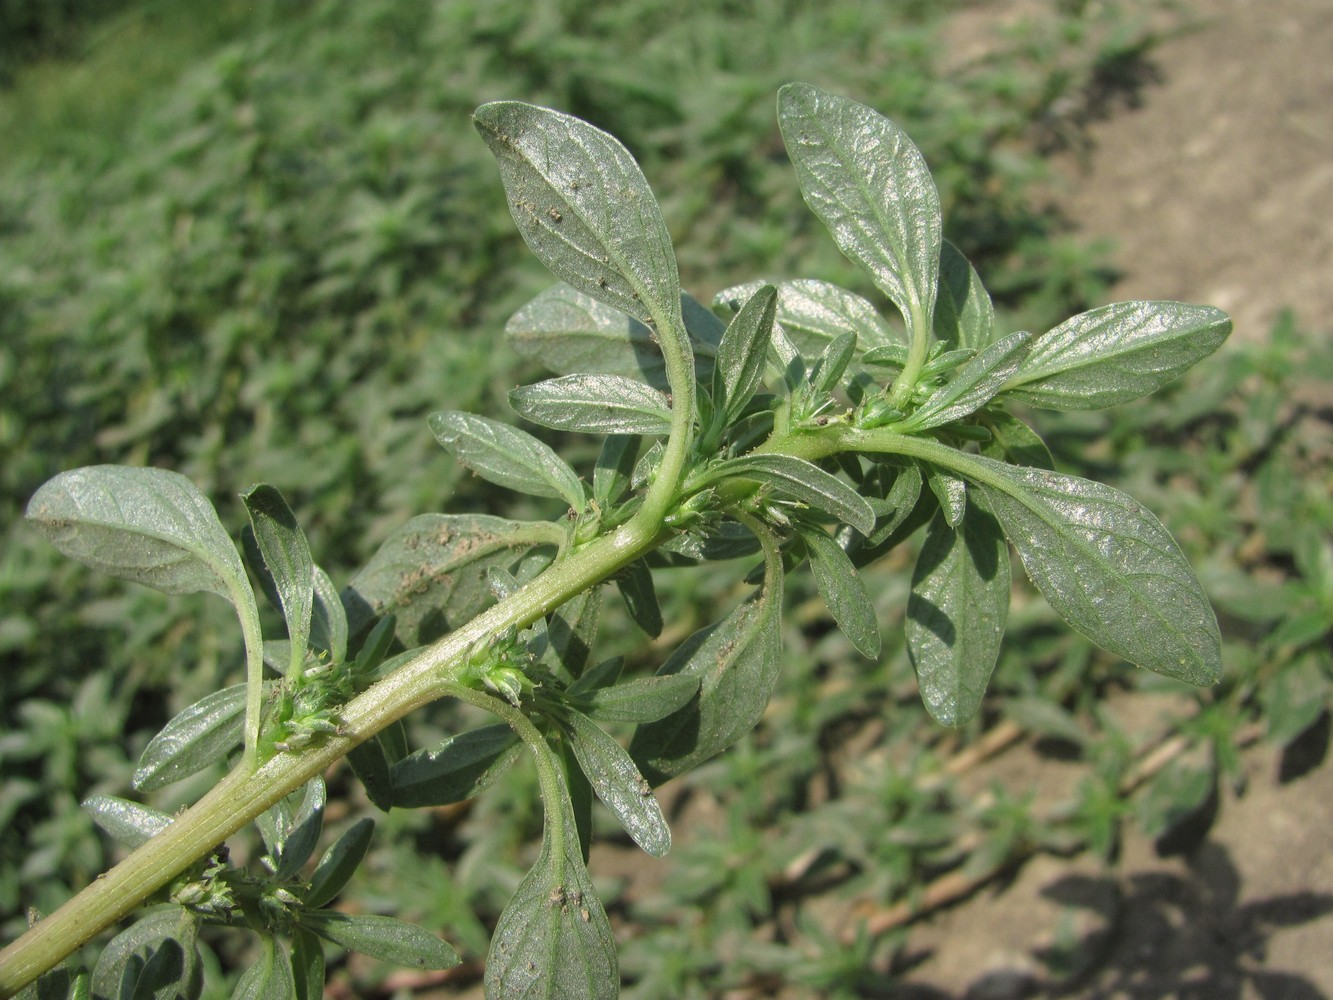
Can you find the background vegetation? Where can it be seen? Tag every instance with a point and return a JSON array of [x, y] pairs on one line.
[[259, 241]]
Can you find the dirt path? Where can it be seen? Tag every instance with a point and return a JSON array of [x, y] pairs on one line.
[[1218, 189]]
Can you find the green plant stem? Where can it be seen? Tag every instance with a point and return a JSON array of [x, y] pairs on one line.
[[679, 358], [905, 384], [246, 792], [248, 612]]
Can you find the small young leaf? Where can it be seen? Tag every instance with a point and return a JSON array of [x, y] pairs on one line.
[[150, 526], [595, 678], [814, 313], [285, 556], [802, 481], [594, 404], [973, 385], [870, 186], [585, 209], [635, 583], [614, 470], [140, 941], [964, 316], [553, 939], [196, 737], [270, 978], [307, 965], [1015, 442], [572, 629], [338, 864], [956, 613], [737, 662], [618, 783], [843, 591], [129, 823], [161, 976], [385, 938], [507, 456], [743, 354], [328, 624], [456, 770], [644, 699], [1107, 567], [291, 835], [828, 368], [371, 763], [950, 491], [1117, 353], [432, 572]]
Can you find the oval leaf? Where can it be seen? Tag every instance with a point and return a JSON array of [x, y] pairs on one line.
[[870, 186], [458, 769], [644, 699], [736, 661], [507, 456], [594, 404], [147, 525], [1108, 568], [843, 591], [618, 784], [585, 209], [129, 823], [196, 737], [803, 481], [973, 385], [957, 611], [432, 572], [743, 354], [553, 939], [813, 313], [285, 556], [385, 938], [1117, 353], [338, 864]]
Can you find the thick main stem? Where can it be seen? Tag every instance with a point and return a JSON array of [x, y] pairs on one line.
[[245, 792]]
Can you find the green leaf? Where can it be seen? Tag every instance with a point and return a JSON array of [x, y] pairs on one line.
[[307, 965], [270, 978], [134, 948], [1015, 442], [129, 823], [802, 481], [964, 316], [432, 572], [828, 369], [338, 863], [328, 625], [614, 470], [843, 591], [196, 737], [870, 186], [1117, 353], [572, 629], [585, 209], [743, 354], [150, 526], [1107, 567], [460, 768], [950, 491], [635, 583], [371, 763], [507, 456], [973, 385], [285, 555], [815, 313], [736, 661], [291, 834], [644, 699], [553, 939], [570, 332], [618, 783], [594, 404], [385, 938], [956, 613]]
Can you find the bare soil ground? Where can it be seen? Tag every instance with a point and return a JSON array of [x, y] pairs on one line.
[[1217, 188]]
